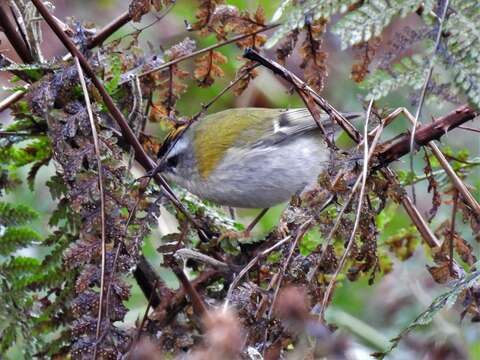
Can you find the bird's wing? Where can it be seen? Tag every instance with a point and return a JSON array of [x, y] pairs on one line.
[[290, 123]]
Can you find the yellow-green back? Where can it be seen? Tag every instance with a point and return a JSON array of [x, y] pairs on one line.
[[216, 133]]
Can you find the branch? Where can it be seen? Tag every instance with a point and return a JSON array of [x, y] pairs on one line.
[[307, 90], [10, 100], [400, 145], [198, 304], [423, 93], [414, 214], [109, 29], [10, 29]]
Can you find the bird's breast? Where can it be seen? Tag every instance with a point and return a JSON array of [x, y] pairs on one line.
[[263, 177]]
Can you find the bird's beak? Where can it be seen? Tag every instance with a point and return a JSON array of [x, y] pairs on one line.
[[161, 166]]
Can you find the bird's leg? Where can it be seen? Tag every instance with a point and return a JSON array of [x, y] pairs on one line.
[[232, 213], [247, 232], [256, 220]]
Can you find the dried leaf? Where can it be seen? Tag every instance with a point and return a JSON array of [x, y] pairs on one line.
[[367, 51], [314, 60], [287, 47], [464, 249], [432, 186], [207, 68], [245, 81], [404, 243], [205, 12], [183, 48], [138, 8], [440, 273]]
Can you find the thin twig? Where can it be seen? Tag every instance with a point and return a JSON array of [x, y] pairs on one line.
[[337, 223], [444, 163], [302, 230], [247, 268], [418, 179], [316, 115], [102, 198], [109, 29], [207, 49], [117, 254], [145, 315], [186, 254], [198, 304], [278, 69], [232, 83], [135, 114], [172, 303], [12, 99], [23, 134], [12, 33], [427, 235], [255, 221], [452, 232], [137, 31], [469, 128], [334, 228], [441, 20], [351, 240], [7, 64]]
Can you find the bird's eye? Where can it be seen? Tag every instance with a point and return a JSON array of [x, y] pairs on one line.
[[173, 161]]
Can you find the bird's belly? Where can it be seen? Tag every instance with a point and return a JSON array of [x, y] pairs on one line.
[[261, 178]]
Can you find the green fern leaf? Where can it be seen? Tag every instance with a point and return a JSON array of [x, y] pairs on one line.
[[410, 71], [372, 17], [14, 238], [463, 47], [8, 337], [16, 215], [296, 16], [446, 300], [19, 265], [39, 281]]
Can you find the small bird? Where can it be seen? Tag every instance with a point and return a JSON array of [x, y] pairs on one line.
[[248, 157]]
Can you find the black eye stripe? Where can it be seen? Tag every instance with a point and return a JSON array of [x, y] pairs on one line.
[[173, 161]]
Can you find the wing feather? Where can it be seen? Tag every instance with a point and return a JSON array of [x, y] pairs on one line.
[[294, 122]]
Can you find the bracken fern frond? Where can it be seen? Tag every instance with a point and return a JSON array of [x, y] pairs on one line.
[[372, 17], [410, 71], [463, 47], [296, 16]]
